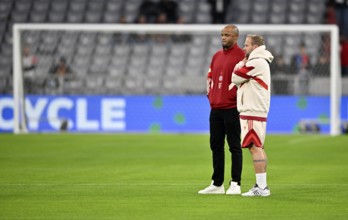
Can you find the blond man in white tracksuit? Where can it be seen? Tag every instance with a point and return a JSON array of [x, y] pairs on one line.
[[252, 76]]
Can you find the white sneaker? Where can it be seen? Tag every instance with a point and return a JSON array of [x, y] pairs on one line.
[[234, 189], [257, 191], [213, 189]]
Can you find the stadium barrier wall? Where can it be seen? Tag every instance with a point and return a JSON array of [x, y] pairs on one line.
[[146, 114]]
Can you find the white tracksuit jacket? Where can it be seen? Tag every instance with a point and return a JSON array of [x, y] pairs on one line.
[[254, 85]]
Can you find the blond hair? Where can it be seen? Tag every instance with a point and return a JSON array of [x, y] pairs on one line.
[[256, 39]]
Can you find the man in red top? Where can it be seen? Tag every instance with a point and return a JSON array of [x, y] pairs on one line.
[[224, 117]]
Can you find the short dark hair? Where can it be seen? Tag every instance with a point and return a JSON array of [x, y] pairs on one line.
[[234, 28]]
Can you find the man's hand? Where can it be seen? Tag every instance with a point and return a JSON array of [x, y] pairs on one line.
[[230, 87], [240, 64]]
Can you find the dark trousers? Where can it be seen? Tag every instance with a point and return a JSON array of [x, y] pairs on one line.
[[225, 122]]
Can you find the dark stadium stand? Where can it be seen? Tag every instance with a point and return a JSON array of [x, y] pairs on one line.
[[110, 63]]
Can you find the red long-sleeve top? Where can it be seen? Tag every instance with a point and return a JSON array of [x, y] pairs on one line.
[[220, 72]]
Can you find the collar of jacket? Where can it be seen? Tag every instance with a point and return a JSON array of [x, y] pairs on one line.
[[261, 53], [231, 48]]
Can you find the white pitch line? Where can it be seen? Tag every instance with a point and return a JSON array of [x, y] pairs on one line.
[[154, 184], [305, 138]]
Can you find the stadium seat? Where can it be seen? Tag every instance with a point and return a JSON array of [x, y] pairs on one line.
[[141, 49], [75, 17], [122, 50], [314, 18], [56, 16], [152, 85], [297, 5], [77, 6], [93, 16], [113, 85], [111, 17], [175, 61], [113, 6], [260, 6], [98, 70], [5, 6], [117, 71], [102, 50], [157, 61], [66, 51], [81, 60], [2, 28], [3, 82], [37, 17], [203, 18], [311, 40], [242, 5], [50, 37], [316, 7], [94, 84], [119, 60], [6, 49], [178, 50], [204, 8], [101, 60], [105, 39], [4, 15], [296, 18], [192, 84], [186, 10], [193, 71], [174, 71], [95, 5], [278, 6], [278, 18], [40, 6], [133, 84], [80, 71], [159, 50], [84, 50], [44, 64], [87, 39], [69, 38], [155, 70], [22, 6], [171, 85], [32, 38], [200, 40], [59, 6], [319, 86], [203, 15], [137, 61], [131, 6], [259, 18], [196, 51], [4, 60], [19, 16], [273, 41], [75, 86]]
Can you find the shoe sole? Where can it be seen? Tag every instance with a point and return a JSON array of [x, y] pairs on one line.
[[211, 193], [232, 194], [256, 195]]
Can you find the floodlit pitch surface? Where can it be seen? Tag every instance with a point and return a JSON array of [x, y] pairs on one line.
[[157, 176]]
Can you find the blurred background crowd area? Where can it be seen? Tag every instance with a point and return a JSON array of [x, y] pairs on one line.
[[61, 62]]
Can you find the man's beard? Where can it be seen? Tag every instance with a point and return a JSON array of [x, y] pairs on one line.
[[225, 47]]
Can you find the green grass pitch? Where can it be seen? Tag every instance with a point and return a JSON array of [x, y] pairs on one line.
[[157, 176]]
